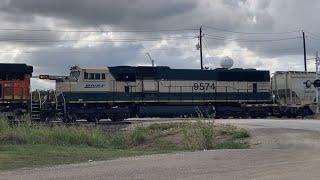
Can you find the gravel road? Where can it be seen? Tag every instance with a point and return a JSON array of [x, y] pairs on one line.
[[282, 149]]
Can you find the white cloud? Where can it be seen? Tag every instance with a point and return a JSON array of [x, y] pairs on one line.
[[41, 84]]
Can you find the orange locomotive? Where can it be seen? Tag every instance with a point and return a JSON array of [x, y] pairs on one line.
[[14, 88]]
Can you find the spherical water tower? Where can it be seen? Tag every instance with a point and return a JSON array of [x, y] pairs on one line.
[[226, 62]]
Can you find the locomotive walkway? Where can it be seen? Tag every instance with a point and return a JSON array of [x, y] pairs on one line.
[[282, 149]]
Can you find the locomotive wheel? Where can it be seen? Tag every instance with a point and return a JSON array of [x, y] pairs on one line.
[[69, 118], [305, 112], [92, 119], [244, 116]]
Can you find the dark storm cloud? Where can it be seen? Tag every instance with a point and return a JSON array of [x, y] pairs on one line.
[[58, 60], [28, 39], [231, 15], [107, 12]]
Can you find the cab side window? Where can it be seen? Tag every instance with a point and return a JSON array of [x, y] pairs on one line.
[[97, 76], [91, 75], [94, 76], [254, 87]]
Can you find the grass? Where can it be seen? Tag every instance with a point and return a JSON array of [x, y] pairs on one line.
[[27, 133], [19, 156], [28, 145], [234, 132], [232, 145]]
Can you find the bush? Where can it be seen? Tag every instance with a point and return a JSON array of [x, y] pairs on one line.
[[198, 136]]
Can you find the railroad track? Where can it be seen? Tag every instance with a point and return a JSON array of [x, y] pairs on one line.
[[112, 123]]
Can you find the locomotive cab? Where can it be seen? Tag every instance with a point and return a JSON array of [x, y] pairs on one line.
[[83, 80]]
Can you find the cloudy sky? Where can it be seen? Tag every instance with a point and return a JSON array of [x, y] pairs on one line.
[[53, 35]]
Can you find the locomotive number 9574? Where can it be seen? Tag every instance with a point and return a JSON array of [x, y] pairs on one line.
[[203, 86]]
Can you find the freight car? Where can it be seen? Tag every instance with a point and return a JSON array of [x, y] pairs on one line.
[[14, 89], [126, 91], [289, 89]]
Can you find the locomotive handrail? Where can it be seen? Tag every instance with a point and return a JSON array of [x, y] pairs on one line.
[[30, 101], [55, 99], [39, 95], [64, 103], [44, 99]]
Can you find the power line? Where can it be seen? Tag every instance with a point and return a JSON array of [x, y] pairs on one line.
[[312, 47], [313, 34], [205, 43], [76, 51], [313, 37], [96, 31], [283, 49], [86, 40], [241, 32], [249, 40]]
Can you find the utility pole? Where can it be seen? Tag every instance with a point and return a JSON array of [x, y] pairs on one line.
[[200, 46], [304, 51], [317, 76]]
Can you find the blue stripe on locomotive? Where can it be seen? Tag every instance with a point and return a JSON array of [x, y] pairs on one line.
[[119, 96]]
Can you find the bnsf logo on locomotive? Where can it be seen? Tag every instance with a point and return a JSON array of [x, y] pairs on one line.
[[203, 86], [94, 85]]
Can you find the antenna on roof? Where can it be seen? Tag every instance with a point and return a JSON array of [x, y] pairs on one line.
[[152, 61]]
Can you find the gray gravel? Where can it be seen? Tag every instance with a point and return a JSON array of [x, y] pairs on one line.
[[282, 149]]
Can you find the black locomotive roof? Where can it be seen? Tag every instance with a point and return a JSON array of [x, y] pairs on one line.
[[15, 68], [166, 73]]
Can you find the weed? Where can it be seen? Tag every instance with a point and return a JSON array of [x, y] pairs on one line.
[[207, 135], [138, 136], [119, 141], [240, 134], [199, 135]]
